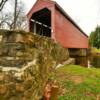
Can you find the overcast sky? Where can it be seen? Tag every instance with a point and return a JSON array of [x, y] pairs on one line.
[[86, 13]]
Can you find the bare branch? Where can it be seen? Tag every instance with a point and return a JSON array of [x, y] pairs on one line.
[[2, 3], [15, 19]]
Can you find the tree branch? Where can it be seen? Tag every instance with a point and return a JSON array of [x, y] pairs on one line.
[[2, 3]]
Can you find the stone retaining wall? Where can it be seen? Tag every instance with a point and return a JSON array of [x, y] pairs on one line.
[[26, 62]]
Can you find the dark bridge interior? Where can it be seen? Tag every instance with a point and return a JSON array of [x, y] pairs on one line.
[[41, 23]]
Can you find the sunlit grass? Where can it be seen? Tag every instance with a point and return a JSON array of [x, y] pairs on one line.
[[80, 83], [95, 50]]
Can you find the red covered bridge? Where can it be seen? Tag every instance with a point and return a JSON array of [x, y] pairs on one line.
[[47, 18]]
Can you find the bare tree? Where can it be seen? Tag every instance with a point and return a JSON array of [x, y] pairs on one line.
[[20, 21], [2, 3], [15, 14], [3, 19], [15, 19]]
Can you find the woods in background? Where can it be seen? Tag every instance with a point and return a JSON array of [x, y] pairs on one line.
[[13, 16], [95, 38]]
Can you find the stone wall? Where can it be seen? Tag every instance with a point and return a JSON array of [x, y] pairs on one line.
[[26, 63]]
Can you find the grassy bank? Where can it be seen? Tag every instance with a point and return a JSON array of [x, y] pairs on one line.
[[95, 50], [78, 83]]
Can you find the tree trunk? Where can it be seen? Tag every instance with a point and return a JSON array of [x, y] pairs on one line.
[[15, 14]]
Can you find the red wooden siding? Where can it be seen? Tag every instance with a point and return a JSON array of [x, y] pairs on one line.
[[40, 4], [67, 34], [63, 30]]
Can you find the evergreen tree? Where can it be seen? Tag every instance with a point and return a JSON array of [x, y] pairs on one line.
[[95, 38]]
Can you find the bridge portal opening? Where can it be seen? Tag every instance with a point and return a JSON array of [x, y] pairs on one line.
[[40, 22]]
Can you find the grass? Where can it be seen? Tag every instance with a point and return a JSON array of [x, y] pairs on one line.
[[95, 50], [79, 83]]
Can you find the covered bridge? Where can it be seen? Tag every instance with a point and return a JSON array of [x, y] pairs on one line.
[[47, 18]]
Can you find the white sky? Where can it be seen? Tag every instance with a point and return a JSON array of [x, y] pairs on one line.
[[86, 13]]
